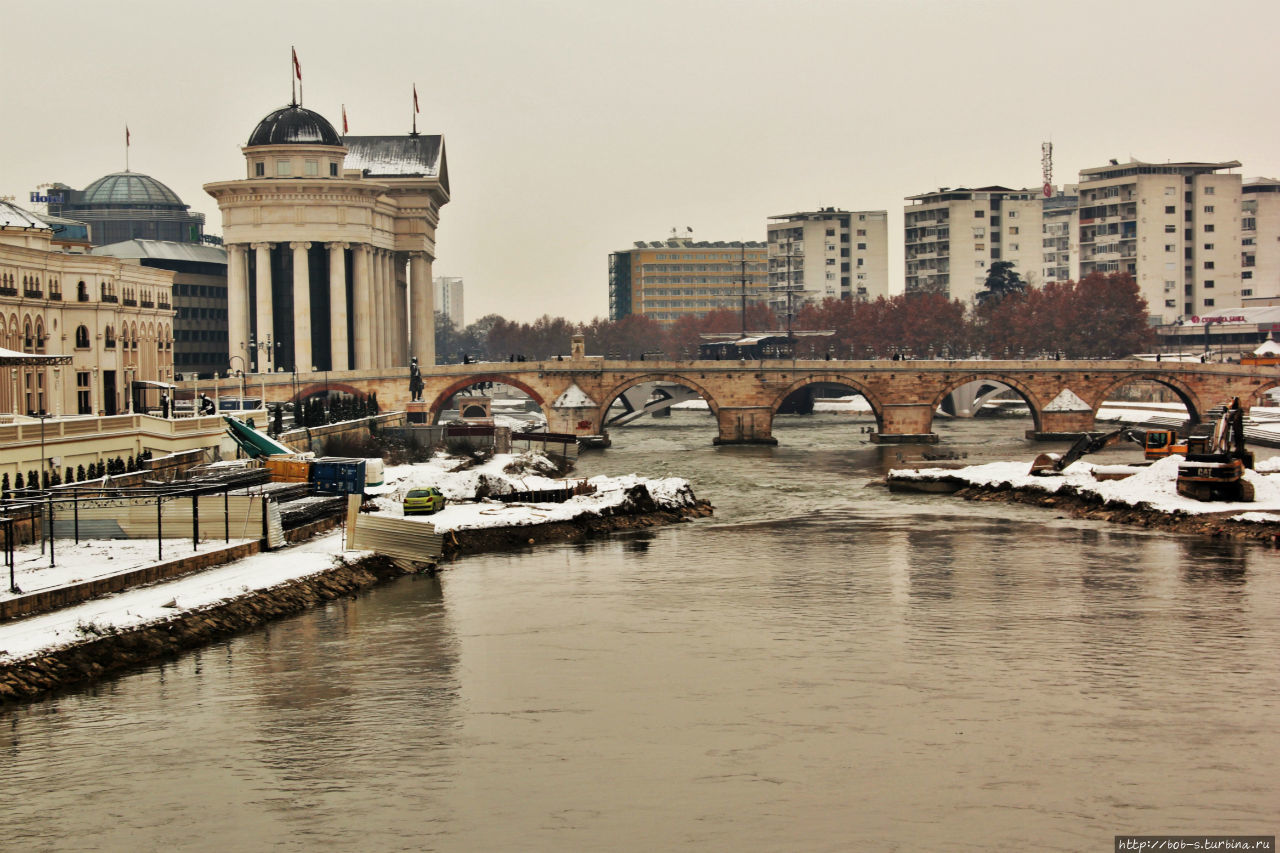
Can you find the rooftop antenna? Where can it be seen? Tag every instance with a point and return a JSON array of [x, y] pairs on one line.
[[1046, 167]]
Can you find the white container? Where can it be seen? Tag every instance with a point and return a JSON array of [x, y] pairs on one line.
[[373, 472]]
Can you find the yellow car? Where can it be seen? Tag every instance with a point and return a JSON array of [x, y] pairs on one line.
[[423, 501]]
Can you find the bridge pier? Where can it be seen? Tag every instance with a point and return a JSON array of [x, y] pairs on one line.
[[906, 423], [745, 425], [1062, 426]]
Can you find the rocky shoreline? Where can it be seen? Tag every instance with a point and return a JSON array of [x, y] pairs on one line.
[[1077, 505], [106, 651]]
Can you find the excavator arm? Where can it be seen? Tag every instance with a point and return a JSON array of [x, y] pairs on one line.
[[1049, 464]]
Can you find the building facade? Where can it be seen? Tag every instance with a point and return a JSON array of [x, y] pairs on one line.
[[111, 321], [128, 206], [1060, 222], [448, 293], [1260, 242], [952, 236], [1175, 227], [828, 253], [675, 278], [199, 300], [329, 243]]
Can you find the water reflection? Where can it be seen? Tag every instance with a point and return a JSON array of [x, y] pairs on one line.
[[823, 665]]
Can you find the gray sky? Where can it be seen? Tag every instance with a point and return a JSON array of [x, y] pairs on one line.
[[574, 128]]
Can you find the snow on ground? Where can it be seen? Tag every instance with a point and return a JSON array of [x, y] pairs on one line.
[[36, 634], [1153, 485], [533, 473], [855, 403], [92, 559]]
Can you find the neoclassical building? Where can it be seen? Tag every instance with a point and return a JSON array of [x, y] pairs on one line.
[[330, 242], [82, 329]]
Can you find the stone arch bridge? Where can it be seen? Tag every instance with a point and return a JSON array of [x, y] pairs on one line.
[[575, 393]]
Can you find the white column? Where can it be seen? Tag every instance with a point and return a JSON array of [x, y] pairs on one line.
[[237, 303], [338, 306], [395, 311], [262, 304], [301, 307], [421, 310], [380, 308], [362, 301]]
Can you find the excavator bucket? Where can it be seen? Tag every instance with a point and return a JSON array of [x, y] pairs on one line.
[[1046, 465]]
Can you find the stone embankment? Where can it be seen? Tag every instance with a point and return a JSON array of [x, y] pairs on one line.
[[106, 651]]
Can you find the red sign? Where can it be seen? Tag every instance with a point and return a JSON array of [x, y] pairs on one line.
[[1048, 190]]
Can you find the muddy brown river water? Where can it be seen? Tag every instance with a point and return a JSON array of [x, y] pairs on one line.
[[822, 666]]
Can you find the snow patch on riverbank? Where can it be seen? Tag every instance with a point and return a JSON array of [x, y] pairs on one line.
[[506, 474], [1150, 485]]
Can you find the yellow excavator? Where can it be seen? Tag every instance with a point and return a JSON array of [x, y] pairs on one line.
[[1049, 464], [1215, 462]]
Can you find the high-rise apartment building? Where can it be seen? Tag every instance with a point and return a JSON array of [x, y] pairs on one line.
[[953, 236], [449, 299], [669, 279], [828, 253], [1174, 226], [1260, 243], [1060, 216]]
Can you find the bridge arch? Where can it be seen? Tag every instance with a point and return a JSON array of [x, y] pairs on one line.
[[1259, 396], [952, 383], [316, 389], [877, 408], [1185, 394], [640, 379], [437, 403]]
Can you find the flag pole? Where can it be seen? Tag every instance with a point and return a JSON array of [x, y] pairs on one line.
[[126, 147], [293, 93]]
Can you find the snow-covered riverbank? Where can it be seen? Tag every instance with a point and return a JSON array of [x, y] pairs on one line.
[[270, 576]]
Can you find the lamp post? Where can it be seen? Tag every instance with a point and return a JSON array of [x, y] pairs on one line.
[[240, 374]]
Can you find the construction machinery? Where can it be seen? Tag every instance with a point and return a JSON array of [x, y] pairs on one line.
[[1215, 462], [1159, 443], [1049, 464]]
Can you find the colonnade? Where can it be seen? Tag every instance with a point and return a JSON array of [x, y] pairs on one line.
[[377, 319]]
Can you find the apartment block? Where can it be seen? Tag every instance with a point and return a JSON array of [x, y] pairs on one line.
[[1060, 217], [1174, 226], [448, 294], [828, 253], [670, 279], [952, 236], [1260, 243]]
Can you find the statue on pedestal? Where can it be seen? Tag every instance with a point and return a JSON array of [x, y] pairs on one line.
[[415, 381]]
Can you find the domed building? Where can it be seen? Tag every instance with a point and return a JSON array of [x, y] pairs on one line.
[[330, 242], [129, 206]]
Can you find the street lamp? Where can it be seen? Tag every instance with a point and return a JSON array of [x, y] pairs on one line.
[[240, 374]]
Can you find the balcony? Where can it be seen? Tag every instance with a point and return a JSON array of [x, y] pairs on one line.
[[133, 303], [107, 297], [147, 303]]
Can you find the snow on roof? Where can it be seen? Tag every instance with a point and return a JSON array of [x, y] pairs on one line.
[[1067, 401], [12, 216], [573, 398], [395, 155], [166, 250], [1268, 348]]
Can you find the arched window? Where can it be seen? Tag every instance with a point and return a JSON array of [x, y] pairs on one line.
[[40, 335], [109, 337], [82, 337], [28, 341], [82, 292]]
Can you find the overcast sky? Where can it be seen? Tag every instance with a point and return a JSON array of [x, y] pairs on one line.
[[573, 129]]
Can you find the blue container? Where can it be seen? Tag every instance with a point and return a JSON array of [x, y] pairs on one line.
[[338, 475]]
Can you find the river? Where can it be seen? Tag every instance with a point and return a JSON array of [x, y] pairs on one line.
[[822, 666]]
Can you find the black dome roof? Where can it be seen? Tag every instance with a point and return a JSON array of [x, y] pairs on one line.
[[293, 125]]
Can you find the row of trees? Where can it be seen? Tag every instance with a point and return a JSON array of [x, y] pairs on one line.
[[1101, 316], [53, 477]]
